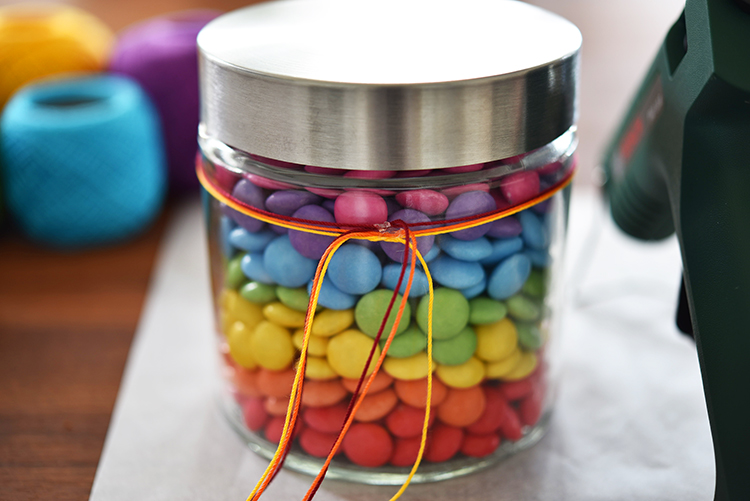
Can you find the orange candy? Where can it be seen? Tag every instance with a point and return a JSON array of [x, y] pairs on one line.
[[245, 381], [323, 393], [414, 392], [381, 382], [275, 383], [462, 406], [376, 406], [276, 406]]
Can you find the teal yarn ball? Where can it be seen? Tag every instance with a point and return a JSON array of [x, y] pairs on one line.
[[83, 160]]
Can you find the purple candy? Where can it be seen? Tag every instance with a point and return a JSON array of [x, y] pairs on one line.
[[311, 245], [467, 204], [246, 192], [395, 250], [286, 202], [328, 205], [505, 228]]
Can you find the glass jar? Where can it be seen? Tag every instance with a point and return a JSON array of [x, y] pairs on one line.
[[340, 190]]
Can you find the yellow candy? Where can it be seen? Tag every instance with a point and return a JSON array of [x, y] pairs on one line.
[[272, 346], [467, 374], [318, 368], [496, 341], [317, 346], [330, 322], [525, 366], [281, 314], [348, 352], [234, 307], [413, 367], [496, 370], [239, 338]]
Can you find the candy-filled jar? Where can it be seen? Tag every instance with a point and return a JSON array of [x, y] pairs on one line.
[[385, 237]]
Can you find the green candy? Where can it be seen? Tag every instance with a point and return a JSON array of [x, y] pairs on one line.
[[411, 342], [370, 311], [484, 310], [234, 276], [256, 292], [535, 285], [456, 350], [450, 313], [296, 299], [529, 336], [522, 308]]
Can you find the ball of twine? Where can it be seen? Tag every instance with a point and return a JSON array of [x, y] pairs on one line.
[[83, 160], [39, 40]]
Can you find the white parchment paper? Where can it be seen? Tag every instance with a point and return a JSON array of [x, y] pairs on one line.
[[630, 421]]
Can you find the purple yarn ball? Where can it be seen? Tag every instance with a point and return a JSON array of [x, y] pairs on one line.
[[161, 55]]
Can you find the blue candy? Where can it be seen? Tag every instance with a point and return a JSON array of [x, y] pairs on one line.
[[456, 274], [331, 297], [226, 225], [355, 269], [539, 258], [473, 292], [432, 254], [252, 266], [419, 286], [534, 233], [502, 248], [465, 250], [509, 276], [250, 242], [285, 265]]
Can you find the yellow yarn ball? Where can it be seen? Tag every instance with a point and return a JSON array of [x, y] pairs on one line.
[[40, 40]]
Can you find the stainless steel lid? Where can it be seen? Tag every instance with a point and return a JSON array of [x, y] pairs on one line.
[[388, 84]]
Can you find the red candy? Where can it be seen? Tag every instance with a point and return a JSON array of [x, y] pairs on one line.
[[511, 427], [325, 419], [444, 443], [405, 451], [254, 413], [368, 444], [316, 443], [530, 408], [494, 413], [274, 428], [516, 390], [478, 446], [406, 421]]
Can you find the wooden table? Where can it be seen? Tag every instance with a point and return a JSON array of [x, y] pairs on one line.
[[66, 323]]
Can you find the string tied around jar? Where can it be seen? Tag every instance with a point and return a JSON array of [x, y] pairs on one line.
[[389, 231]]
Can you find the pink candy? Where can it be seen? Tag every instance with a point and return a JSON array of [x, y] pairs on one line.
[[264, 182], [360, 207], [430, 202], [520, 186], [455, 191]]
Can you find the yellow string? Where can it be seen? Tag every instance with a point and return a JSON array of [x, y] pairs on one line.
[[428, 400]]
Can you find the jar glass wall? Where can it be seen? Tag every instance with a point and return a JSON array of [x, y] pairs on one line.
[[494, 318]]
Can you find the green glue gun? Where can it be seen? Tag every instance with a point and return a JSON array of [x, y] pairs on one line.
[[680, 162]]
